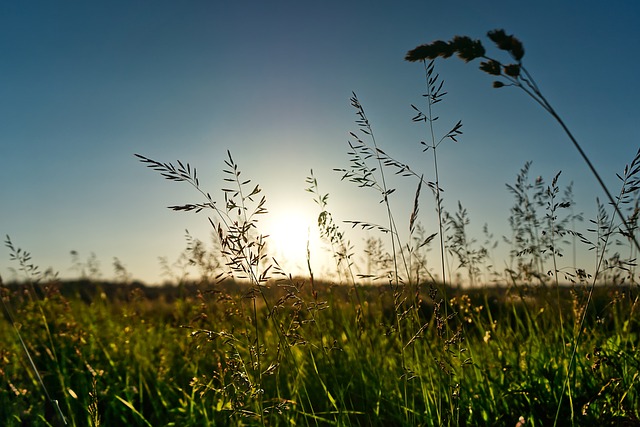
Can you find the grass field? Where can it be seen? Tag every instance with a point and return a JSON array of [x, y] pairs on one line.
[[403, 345], [123, 355]]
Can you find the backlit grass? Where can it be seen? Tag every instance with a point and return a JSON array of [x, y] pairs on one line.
[[398, 343]]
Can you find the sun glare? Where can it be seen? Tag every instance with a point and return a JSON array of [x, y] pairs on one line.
[[289, 232]]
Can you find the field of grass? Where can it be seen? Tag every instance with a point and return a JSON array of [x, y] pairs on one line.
[[404, 344], [129, 355]]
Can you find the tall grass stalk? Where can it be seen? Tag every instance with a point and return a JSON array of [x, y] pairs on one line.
[[341, 248], [408, 319], [630, 179], [367, 176], [516, 75], [33, 275], [512, 74], [244, 250], [435, 94]]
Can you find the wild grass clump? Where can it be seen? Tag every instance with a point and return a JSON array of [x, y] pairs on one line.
[[394, 342]]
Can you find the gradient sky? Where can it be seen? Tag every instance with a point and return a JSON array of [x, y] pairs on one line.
[[85, 85]]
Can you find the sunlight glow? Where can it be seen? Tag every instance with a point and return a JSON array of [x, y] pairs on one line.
[[289, 232]]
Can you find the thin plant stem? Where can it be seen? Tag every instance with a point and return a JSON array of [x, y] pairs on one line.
[[538, 97]]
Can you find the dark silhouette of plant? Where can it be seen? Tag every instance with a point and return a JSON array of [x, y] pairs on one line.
[[245, 258], [367, 170], [510, 74], [341, 248], [366, 175], [537, 239], [605, 228], [122, 273], [89, 269], [515, 74], [433, 95], [464, 247]]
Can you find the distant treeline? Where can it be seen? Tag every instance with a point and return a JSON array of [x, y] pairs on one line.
[[492, 296]]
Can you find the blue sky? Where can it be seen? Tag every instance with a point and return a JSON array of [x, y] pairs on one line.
[[85, 85]]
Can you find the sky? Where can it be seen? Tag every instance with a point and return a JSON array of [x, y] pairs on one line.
[[86, 85]]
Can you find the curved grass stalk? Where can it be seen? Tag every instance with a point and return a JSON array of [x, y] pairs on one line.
[[515, 74]]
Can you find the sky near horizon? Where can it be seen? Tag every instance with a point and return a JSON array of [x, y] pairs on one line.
[[85, 85]]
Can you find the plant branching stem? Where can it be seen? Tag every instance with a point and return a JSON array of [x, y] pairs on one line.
[[536, 95]]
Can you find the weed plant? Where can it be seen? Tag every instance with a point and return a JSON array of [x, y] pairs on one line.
[[392, 343]]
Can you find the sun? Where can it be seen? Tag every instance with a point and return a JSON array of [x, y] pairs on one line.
[[291, 233]]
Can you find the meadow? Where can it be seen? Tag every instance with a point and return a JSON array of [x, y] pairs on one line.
[[405, 344]]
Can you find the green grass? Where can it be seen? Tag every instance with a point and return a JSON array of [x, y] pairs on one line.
[[132, 359], [534, 344]]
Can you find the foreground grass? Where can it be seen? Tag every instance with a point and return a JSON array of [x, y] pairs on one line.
[[143, 356]]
